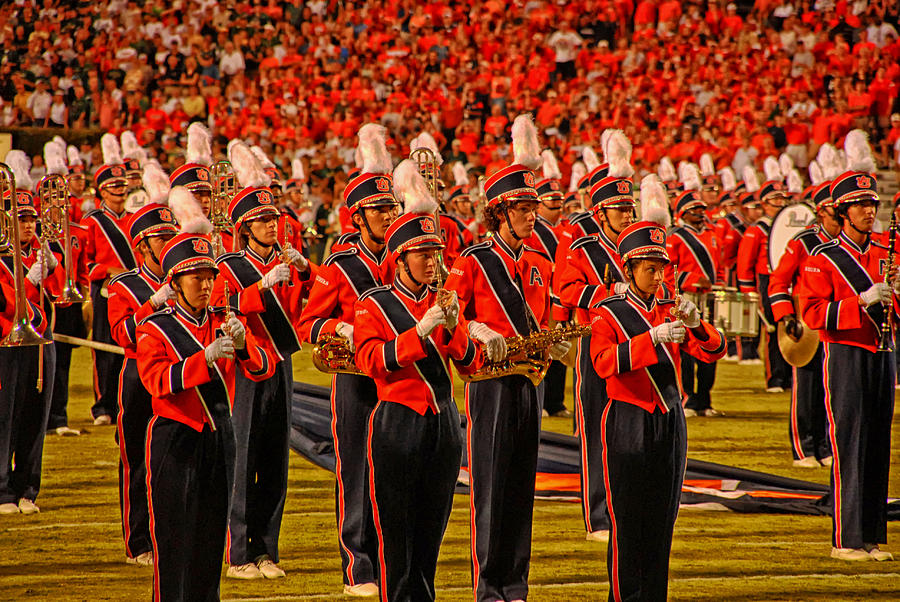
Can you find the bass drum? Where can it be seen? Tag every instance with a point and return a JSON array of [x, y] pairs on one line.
[[787, 223]]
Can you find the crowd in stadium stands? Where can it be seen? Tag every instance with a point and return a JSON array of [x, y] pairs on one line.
[[300, 78]]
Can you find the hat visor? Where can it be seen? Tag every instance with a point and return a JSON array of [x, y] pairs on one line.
[[192, 265], [420, 245], [26, 211], [382, 200], [857, 197], [258, 213], [647, 253], [112, 182]]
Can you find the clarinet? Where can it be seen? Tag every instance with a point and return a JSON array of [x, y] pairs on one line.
[[887, 326]]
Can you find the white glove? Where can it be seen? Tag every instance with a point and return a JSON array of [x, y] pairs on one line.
[[221, 348], [236, 331], [346, 330], [433, 318], [280, 273], [296, 258], [877, 293], [165, 293], [37, 272], [452, 311], [494, 341], [670, 332], [689, 313], [560, 350], [51, 258], [619, 287]]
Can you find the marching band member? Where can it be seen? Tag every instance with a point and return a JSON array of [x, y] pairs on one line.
[[504, 290], [753, 270], [809, 441], [731, 226], [108, 253], [24, 401], [634, 343], [405, 336], [339, 282], [583, 223], [846, 295], [459, 204], [194, 174], [81, 201], [592, 266], [693, 248], [134, 158], [269, 283], [709, 190], [187, 355]]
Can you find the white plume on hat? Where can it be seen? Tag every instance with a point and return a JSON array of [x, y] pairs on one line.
[[786, 164], [73, 155], [729, 180], [262, 157], [460, 175], [55, 158], [373, 149], [156, 183], [59, 141], [707, 167], [618, 155], [794, 182], [578, 171], [426, 140], [199, 147], [112, 152], [526, 150], [551, 167], [20, 165], [591, 161], [859, 154], [604, 138], [130, 147], [411, 190], [816, 176], [188, 211], [247, 168], [829, 161], [297, 171], [357, 157], [655, 201], [751, 179], [690, 177], [666, 170], [772, 169]]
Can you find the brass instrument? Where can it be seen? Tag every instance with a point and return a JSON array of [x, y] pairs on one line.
[[228, 313], [53, 192], [426, 161], [677, 299], [224, 187], [21, 333], [528, 356], [887, 324], [332, 355]]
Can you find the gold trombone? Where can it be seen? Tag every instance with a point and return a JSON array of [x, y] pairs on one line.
[[426, 161], [53, 193], [21, 333], [224, 187]]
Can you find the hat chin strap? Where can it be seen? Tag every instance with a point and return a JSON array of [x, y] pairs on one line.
[[365, 221], [180, 292], [512, 230], [409, 272]]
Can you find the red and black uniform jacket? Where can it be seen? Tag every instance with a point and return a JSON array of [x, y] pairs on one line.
[[696, 253], [172, 365], [833, 278], [577, 226], [582, 282], [730, 230], [407, 369], [129, 304], [78, 235], [785, 277], [33, 305], [637, 371], [456, 237], [107, 245], [753, 255]]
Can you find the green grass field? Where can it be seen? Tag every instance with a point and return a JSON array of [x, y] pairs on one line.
[[73, 549]]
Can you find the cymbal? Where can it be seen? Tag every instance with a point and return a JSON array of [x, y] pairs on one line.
[[798, 353]]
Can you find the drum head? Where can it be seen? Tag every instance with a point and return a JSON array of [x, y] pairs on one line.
[[789, 221]]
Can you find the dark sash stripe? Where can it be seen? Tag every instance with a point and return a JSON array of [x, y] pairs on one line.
[[547, 237], [357, 272], [507, 292], [662, 374], [858, 279], [599, 257], [586, 223], [117, 239], [810, 240], [736, 223], [699, 251], [431, 368]]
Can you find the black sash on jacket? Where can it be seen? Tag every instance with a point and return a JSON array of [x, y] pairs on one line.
[[856, 276], [511, 297], [117, 239], [699, 251]]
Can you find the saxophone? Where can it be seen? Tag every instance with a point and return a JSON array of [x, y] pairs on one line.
[[332, 355], [528, 356]]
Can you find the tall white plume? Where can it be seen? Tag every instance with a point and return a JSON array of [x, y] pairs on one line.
[[188, 211], [199, 147], [526, 150], [247, 168], [655, 201], [411, 190]]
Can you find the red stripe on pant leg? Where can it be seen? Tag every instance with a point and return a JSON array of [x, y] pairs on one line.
[[375, 514], [768, 362], [126, 469], [582, 438], [614, 582], [96, 374], [476, 567], [836, 465], [340, 483], [795, 432], [156, 594]]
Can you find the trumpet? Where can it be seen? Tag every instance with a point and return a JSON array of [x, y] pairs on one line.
[[53, 192], [223, 190], [21, 333], [332, 355], [528, 356]]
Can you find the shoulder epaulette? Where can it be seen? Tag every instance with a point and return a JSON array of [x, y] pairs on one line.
[[875, 243], [580, 217], [93, 212], [482, 245], [609, 300], [824, 246], [665, 301], [224, 257], [345, 253], [160, 313], [538, 251], [216, 309], [806, 232], [123, 275], [372, 291], [584, 240]]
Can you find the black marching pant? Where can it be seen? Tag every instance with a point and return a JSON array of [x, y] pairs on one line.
[[23, 419], [859, 402], [135, 412], [697, 380], [808, 425], [68, 321], [353, 398], [555, 387], [261, 422], [413, 466], [590, 401], [645, 457], [503, 432], [107, 366], [188, 483], [778, 371]]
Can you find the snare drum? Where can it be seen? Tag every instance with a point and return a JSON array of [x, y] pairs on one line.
[[735, 313]]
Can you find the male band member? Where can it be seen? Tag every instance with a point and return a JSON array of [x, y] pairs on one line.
[[809, 440], [340, 281], [133, 296], [186, 358], [694, 249], [592, 267], [81, 199], [406, 333], [634, 344], [709, 189], [504, 291], [268, 284], [108, 253], [753, 272], [24, 403]]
